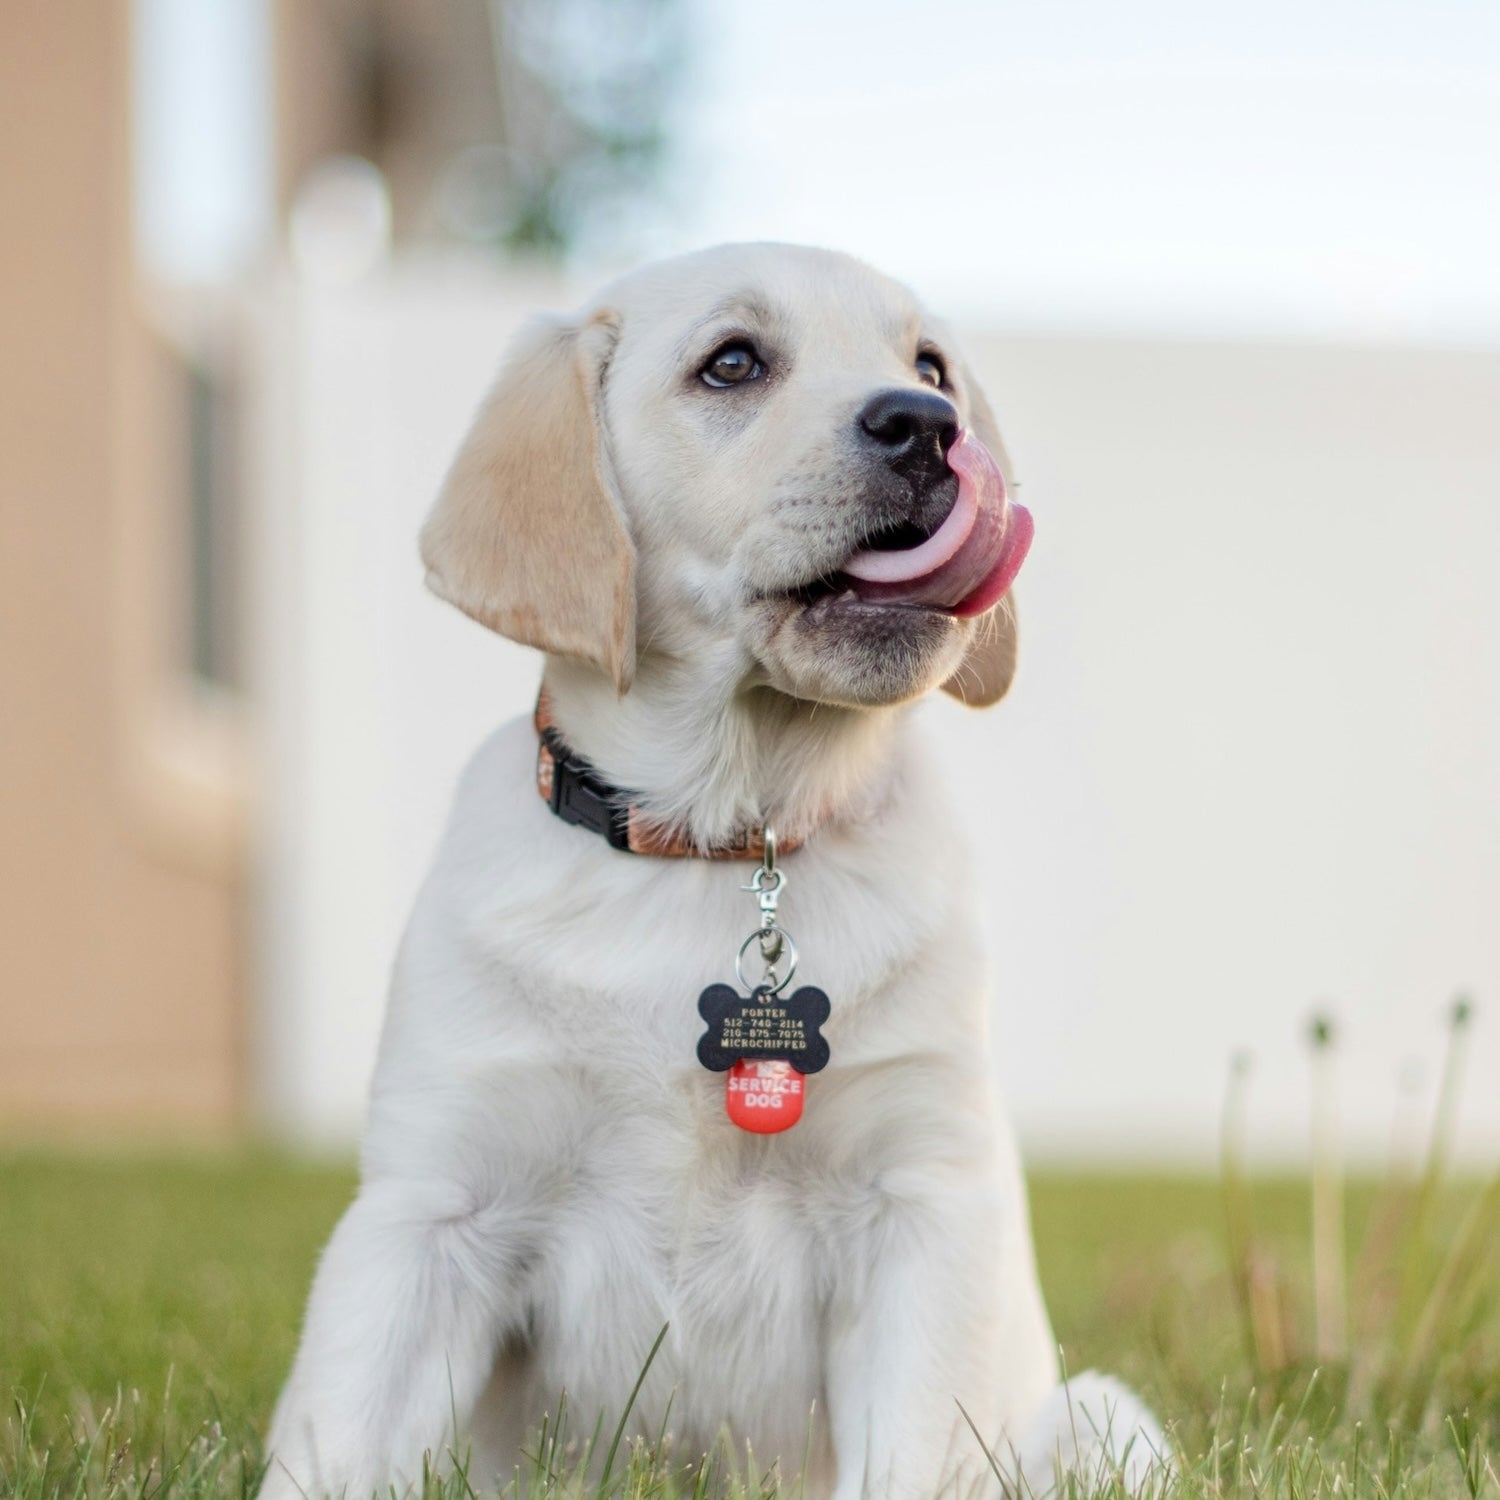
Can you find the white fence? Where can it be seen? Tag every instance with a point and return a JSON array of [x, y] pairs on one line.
[[1251, 765]]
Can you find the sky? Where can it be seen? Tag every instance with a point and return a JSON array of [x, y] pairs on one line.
[[1281, 170], [1272, 171]]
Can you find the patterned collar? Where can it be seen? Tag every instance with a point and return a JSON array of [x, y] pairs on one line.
[[578, 794]]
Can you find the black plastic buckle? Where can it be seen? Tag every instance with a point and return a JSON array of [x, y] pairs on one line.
[[580, 797]]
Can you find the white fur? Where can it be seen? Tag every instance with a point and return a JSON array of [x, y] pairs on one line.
[[549, 1177]]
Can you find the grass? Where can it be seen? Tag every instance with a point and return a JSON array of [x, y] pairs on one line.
[[120, 1275], [148, 1312]]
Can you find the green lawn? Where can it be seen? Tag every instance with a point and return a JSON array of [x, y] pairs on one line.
[[166, 1292], [116, 1274]]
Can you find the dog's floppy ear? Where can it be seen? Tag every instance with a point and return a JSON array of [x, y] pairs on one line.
[[527, 534], [984, 675]]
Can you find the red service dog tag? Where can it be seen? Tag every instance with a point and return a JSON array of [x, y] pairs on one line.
[[764, 1096]]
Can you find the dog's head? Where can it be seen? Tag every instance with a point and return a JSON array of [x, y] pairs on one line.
[[734, 458]]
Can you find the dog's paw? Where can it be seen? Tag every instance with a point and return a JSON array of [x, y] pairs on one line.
[[1097, 1428]]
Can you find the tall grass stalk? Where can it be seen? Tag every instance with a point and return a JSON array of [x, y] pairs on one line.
[[1330, 1337], [1417, 1253], [1252, 1268]]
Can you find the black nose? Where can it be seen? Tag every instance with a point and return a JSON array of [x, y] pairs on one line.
[[915, 430]]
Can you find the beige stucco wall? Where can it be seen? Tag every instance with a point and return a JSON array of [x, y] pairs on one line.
[[119, 928]]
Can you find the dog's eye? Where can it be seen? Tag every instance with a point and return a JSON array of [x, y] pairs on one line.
[[930, 369], [732, 365]]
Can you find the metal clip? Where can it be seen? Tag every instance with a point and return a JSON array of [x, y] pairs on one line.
[[767, 883]]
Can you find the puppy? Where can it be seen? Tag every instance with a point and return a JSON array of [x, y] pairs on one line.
[[706, 498]]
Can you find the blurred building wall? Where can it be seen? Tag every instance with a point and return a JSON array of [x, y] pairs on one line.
[[141, 437], [121, 841], [406, 84], [373, 694]]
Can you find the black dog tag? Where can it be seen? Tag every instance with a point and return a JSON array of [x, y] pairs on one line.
[[763, 1027]]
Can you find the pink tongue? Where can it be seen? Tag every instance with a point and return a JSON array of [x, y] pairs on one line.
[[970, 561]]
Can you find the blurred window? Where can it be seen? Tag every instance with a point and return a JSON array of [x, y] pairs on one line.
[[213, 522], [203, 210]]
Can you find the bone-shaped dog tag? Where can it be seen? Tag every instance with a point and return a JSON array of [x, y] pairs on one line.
[[766, 1043]]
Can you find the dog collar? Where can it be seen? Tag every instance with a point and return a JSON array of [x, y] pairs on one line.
[[575, 791]]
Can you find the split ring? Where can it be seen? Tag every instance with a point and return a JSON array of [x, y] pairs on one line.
[[789, 948]]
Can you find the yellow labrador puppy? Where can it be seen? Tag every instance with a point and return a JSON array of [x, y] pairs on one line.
[[752, 506]]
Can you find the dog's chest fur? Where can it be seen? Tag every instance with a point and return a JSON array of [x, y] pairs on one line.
[[717, 1239], [589, 1151]]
